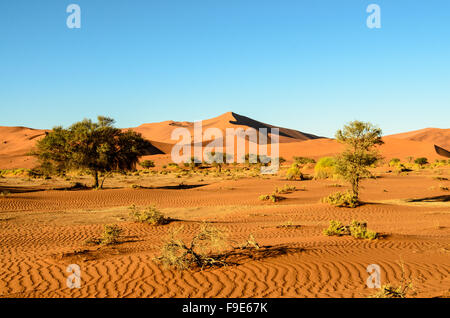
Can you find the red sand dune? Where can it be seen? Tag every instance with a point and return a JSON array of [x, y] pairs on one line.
[[440, 137], [16, 142]]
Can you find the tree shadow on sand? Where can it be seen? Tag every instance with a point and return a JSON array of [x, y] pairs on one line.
[[439, 198], [241, 255]]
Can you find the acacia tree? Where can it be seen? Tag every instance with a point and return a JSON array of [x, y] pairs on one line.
[[360, 139], [97, 147]]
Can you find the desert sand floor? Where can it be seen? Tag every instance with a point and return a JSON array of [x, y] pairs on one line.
[[42, 232]]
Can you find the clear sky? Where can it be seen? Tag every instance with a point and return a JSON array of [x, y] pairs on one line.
[[310, 65]]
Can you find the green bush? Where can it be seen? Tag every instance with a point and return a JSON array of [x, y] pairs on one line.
[[356, 229], [271, 197], [402, 168], [325, 168], [342, 199], [359, 230], [285, 189], [110, 234], [303, 160], [336, 228], [150, 215], [421, 161], [394, 162], [294, 173]]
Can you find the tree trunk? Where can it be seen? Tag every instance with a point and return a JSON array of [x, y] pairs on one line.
[[103, 180], [96, 179], [355, 188]]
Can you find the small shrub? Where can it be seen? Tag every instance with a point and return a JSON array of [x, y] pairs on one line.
[[285, 189], [401, 291], [200, 252], [271, 197], [394, 162], [110, 234], [147, 164], [336, 228], [335, 185], [359, 230], [402, 168], [303, 160], [421, 161], [150, 215], [5, 194], [356, 229], [342, 199], [325, 168], [294, 173]]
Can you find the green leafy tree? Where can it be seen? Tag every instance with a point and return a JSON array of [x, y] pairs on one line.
[[98, 147], [360, 139], [421, 161]]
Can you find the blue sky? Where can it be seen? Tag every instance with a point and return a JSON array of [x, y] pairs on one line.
[[309, 65]]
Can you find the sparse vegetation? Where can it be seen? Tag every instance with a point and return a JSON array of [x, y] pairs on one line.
[[303, 160], [336, 228], [285, 189], [149, 215], [401, 291], [342, 199], [200, 252], [325, 168], [359, 230], [147, 164], [421, 161], [271, 197], [294, 173], [356, 229], [110, 234], [400, 168], [394, 162]]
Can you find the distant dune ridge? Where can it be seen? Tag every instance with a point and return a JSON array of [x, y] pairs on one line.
[[440, 137], [16, 142]]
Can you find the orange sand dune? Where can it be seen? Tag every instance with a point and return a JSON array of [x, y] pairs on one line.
[[392, 148], [440, 137], [16, 142], [162, 131]]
